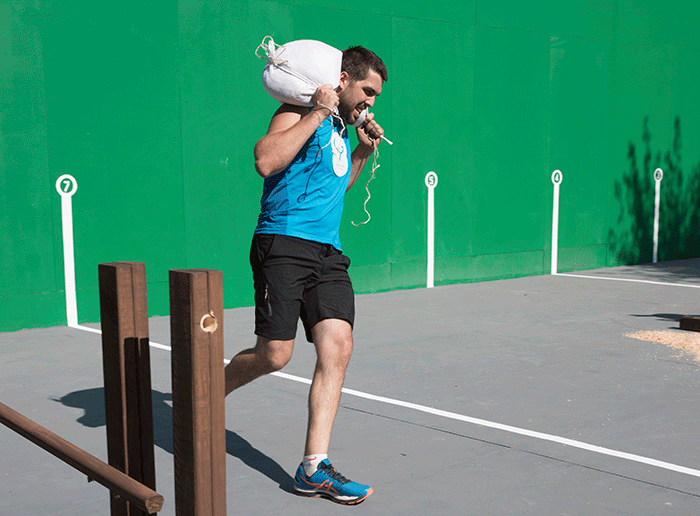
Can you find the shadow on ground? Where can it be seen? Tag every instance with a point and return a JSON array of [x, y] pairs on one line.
[[92, 402]]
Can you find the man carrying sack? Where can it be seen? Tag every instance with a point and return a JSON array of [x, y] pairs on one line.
[[299, 269]]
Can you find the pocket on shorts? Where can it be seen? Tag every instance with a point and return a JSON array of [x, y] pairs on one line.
[[336, 267], [260, 250], [341, 259]]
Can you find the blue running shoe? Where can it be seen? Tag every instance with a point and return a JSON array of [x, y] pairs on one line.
[[329, 483]]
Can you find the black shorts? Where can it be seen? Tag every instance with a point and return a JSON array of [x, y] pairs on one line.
[[296, 278]]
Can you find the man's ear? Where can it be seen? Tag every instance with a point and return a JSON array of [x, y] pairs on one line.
[[344, 80]]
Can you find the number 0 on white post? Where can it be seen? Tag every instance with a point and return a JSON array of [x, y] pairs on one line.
[[557, 178]]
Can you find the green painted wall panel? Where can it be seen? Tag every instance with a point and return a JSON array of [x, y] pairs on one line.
[[686, 101], [432, 136], [408, 274], [114, 124], [507, 265], [510, 140], [681, 219], [583, 18], [462, 12], [488, 267], [32, 310], [659, 23], [374, 278], [579, 107], [582, 258], [155, 109], [25, 211]]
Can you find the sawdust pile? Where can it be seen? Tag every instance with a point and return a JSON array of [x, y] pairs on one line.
[[687, 341]]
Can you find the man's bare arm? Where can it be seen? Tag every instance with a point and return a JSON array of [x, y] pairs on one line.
[[290, 127]]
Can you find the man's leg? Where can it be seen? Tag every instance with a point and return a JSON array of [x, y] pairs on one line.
[[266, 357], [333, 341]]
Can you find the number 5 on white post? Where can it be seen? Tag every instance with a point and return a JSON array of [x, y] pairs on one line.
[[431, 181]]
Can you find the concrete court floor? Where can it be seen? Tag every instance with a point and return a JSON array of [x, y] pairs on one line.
[[542, 354]]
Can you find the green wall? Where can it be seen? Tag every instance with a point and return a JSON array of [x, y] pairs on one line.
[[154, 108]]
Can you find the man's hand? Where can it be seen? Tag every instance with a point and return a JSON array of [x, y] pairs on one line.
[[324, 100], [370, 132]]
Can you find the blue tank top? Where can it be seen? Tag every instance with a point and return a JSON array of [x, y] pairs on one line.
[[305, 200]]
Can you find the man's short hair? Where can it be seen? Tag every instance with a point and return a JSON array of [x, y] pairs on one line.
[[358, 61]]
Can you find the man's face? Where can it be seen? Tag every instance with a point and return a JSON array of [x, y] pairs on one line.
[[356, 96]]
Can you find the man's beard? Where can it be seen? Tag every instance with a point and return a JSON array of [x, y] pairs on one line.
[[345, 112]]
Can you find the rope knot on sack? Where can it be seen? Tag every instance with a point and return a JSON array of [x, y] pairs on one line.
[[271, 51]]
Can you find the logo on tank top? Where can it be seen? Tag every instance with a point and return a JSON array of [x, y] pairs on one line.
[[340, 158]]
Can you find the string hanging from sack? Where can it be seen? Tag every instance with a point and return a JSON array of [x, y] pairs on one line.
[[375, 166], [334, 114]]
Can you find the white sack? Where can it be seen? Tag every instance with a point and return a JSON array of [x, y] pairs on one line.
[[296, 69]]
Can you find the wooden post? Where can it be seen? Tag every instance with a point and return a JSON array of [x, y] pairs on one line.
[[113, 479], [199, 434], [690, 323], [127, 375]]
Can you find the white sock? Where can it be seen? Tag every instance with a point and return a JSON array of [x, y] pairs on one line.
[[311, 463]]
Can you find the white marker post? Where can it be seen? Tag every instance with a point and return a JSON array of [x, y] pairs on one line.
[[67, 186], [431, 181], [557, 177], [658, 176]]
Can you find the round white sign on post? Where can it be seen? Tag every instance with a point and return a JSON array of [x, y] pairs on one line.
[[66, 185], [658, 175], [557, 177], [431, 180]]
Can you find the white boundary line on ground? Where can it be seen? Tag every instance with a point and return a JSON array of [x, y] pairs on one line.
[[684, 285], [511, 429], [475, 421]]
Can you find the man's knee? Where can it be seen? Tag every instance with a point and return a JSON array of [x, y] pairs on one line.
[[343, 346], [334, 343], [273, 355]]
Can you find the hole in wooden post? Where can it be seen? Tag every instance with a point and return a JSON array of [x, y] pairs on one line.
[[209, 323]]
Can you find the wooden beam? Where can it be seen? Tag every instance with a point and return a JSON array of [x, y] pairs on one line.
[[113, 479], [690, 323]]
